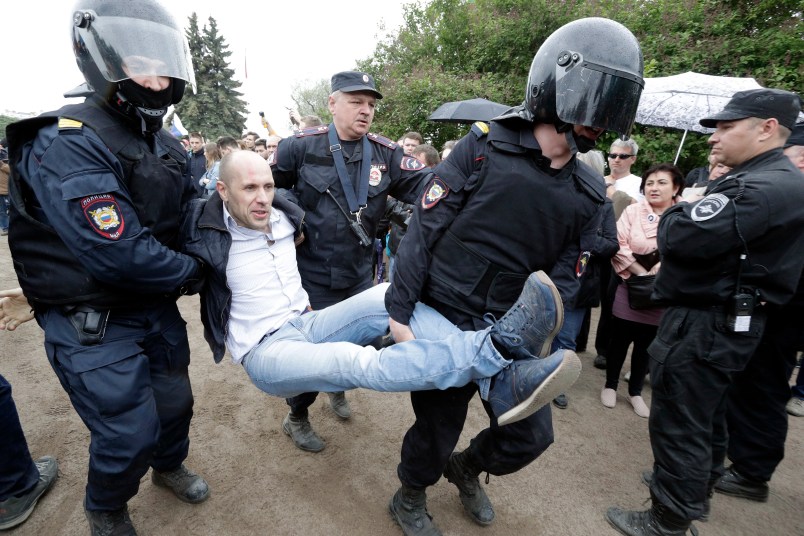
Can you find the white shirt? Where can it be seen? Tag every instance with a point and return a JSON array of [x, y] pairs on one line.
[[264, 279], [629, 184]]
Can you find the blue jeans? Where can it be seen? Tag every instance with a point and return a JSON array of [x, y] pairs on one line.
[[4, 212], [323, 351], [573, 319], [18, 474]]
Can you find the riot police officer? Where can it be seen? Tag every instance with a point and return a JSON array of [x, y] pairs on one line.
[[342, 175], [511, 199], [97, 195], [729, 263]]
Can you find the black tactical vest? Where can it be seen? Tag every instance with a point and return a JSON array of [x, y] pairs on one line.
[[518, 220], [48, 273]]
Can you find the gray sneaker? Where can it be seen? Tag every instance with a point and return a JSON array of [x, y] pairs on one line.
[[302, 433], [114, 523], [529, 326], [340, 405], [795, 406], [186, 485], [15, 510]]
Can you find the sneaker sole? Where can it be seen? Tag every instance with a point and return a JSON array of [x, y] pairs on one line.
[[556, 383], [548, 342]]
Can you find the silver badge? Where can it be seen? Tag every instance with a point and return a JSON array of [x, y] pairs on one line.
[[709, 207]]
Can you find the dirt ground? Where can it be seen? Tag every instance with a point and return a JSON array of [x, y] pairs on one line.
[[261, 484]]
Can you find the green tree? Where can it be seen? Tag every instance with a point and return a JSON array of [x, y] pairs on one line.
[[458, 49], [217, 108], [312, 98]]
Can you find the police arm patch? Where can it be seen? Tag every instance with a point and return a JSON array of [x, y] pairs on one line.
[[410, 164], [709, 207], [104, 215], [583, 262], [436, 191]]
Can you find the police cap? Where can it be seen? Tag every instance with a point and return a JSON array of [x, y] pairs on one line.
[[764, 103], [352, 81], [796, 138]]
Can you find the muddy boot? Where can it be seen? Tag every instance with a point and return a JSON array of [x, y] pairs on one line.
[[658, 521], [408, 507], [462, 470]]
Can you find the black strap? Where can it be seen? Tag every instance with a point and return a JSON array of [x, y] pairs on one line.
[[356, 201]]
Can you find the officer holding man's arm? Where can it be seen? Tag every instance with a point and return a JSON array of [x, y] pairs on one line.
[[97, 199]]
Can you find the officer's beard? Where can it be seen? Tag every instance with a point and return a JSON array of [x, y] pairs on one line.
[[151, 105]]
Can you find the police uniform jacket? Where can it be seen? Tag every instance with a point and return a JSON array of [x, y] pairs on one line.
[[331, 255], [206, 237], [493, 213], [757, 209], [96, 206]]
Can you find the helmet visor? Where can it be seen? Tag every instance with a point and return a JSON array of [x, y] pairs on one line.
[[125, 47], [597, 96]]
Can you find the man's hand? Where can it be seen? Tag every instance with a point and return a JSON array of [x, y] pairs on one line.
[[400, 332], [14, 309]]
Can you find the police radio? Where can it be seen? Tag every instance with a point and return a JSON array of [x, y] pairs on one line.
[[740, 306]]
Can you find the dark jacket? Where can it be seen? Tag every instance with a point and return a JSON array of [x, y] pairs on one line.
[[494, 213], [207, 238], [756, 209]]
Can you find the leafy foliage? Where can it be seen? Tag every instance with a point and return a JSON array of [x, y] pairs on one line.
[[217, 108], [313, 99], [460, 49]]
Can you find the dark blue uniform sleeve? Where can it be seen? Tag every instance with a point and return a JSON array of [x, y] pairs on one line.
[[408, 177], [606, 244], [285, 162], [443, 196], [76, 180]]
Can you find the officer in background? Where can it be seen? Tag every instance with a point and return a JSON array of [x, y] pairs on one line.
[[511, 199], [97, 196], [729, 262], [341, 175]]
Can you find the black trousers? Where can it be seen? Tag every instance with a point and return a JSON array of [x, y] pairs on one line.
[[321, 297], [440, 416], [608, 286], [692, 361], [755, 414], [623, 333]]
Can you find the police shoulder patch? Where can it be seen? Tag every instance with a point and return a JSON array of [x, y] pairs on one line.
[[583, 262], [104, 215], [410, 164], [709, 207], [480, 129], [66, 123], [382, 140], [312, 131], [435, 192]]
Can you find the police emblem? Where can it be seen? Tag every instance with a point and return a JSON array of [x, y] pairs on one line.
[[375, 175], [365, 78], [709, 207], [410, 164], [103, 214], [583, 262], [435, 193]]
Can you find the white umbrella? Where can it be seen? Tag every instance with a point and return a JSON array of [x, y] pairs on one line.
[[681, 100]]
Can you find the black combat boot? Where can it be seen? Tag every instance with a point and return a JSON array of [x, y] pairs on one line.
[[462, 470], [658, 521], [408, 507], [647, 477]]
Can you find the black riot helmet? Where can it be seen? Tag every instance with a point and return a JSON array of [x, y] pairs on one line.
[[117, 41], [588, 72]]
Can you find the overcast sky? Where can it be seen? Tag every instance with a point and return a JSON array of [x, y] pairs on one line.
[[285, 43]]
